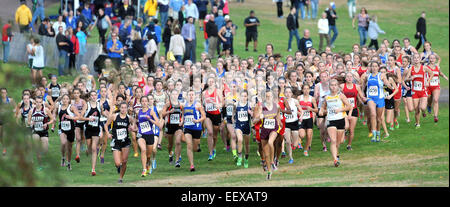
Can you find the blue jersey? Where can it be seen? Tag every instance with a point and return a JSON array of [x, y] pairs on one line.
[[241, 116], [191, 114], [375, 87], [145, 126], [155, 128]]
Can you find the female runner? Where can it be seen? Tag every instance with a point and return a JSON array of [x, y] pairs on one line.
[[242, 116], [309, 107], [213, 101], [292, 122], [81, 106], [67, 114], [434, 90], [174, 109]]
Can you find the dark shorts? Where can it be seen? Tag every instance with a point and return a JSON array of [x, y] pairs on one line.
[[89, 133], [30, 63], [245, 128], [249, 36], [226, 46], [293, 126], [389, 104], [70, 135], [149, 138], [117, 145], [41, 134], [172, 128], [202, 14], [216, 119], [307, 124], [354, 113], [339, 124], [79, 125], [320, 117], [196, 134], [37, 68]]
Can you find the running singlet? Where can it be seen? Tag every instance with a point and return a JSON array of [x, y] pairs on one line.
[[191, 114], [155, 128], [145, 126], [242, 116], [39, 118], [104, 107], [293, 117], [304, 103], [210, 102], [351, 94], [55, 91], [281, 103], [333, 103], [322, 94], [141, 83], [120, 128], [269, 121], [66, 125], [79, 108], [160, 100], [95, 113], [375, 87], [175, 117], [434, 82], [418, 82], [24, 113]]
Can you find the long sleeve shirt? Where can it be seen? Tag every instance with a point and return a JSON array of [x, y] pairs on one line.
[[188, 31], [191, 10], [374, 30], [323, 26], [176, 5]]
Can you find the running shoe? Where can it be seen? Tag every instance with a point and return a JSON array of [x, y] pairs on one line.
[[177, 164], [292, 147], [102, 160], [374, 139], [283, 154], [417, 126], [257, 153], [144, 173], [93, 173], [69, 167], [154, 164], [179, 159], [386, 136], [120, 181], [150, 171], [63, 162], [118, 169], [214, 153], [349, 147], [159, 147], [306, 153], [269, 175], [370, 134], [436, 119], [274, 167], [336, 163], [170, 160], [429, 109], [300, 147], [397, 125], [4, 151], [265, 167], [235, 158], [324, 149], [277, 162], [338, 157], [77, 159], [210, 158], [391, 127], [263, 162], [192, 168], [239, 161], [291, 161], [245, 163], [136, 154]]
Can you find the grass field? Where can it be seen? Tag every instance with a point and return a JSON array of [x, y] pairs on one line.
[[408, 158]]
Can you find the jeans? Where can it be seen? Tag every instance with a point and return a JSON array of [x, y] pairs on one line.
[[302, 8], [178, 58], [5, 51], [206, 45], [335, 31], [362, 35], [190, 50], [63, 62], [373, 42], [279, 9], [351, 9], [314, 7], [164, 17], [422, 40], [293, 32], [38, 13]]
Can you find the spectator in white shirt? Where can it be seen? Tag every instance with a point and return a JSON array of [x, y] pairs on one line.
[[191, 10], [60, 22], [323, 30]]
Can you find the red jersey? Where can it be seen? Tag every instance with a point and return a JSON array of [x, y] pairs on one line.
[[141, 83], [351, 94], [210, 102], [418, 79], [361, 71], [283, 119], [435, 82], [305, 103]]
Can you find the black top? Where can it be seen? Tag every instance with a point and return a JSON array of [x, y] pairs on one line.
[[129, 12], [250, 20], [166, 34], [421, 26], [331, 20], [305, 44], [211, 29], [292, 22], [180, 18], [43, 31], [61, 38], [139, 48], [120, 127]]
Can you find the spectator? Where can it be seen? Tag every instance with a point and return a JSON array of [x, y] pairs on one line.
[[125, 31], [64, 47], [220, 22], [202, 6], [351, 8], [167, 34], [227, 17], [163, 11], [191, 10], [226, 34], [175, 5], [219, 4], [305, 42], [212, 32], [150, 52], [323, 30], [292, 25], [115, 49], [215, 11], [6, 39], [103, 23], [190, 40], [23, 16], [71, 21], [137, 51], [205, 35], [226, 9], [301, 8], [38, 61], [279, 8], [363, 24], [158, 31], [30, 54], [374, 30], [332, 16], [87, 12], [421, 29], [82, 42], [38, 12], [251, 23], [75, 50], [126, 10], [46, 29], [314, 7], [150, 8], [82, 18], [181, 16], [177, 44], [109, 11], [60, 23]]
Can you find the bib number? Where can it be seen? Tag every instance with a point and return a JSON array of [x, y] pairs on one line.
[[65, 126], [289, 117], [306, 114], [145, 127], [94, 123], [269, 123], [175, 118], [386, 94], [242, 116], [434, 81], [210, 107], [352, 101], [189, 120], [373, 91], [55, 92], [121, 134], [229, 110], [417, 86], [38, 126]]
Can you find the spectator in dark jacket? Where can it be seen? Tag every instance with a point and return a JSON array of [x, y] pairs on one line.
[[305, 43], [212, 32], [332, 16], [292, 25], [137, 49], [126, 10], [46, 29], [421, 28], [202, 6], [167, 34]]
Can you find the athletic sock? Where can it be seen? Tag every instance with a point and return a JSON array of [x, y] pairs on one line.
[[374, 133], [240, 155], [234, 153], [246, 156]]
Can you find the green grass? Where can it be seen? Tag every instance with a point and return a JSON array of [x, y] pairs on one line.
[[408, 158]]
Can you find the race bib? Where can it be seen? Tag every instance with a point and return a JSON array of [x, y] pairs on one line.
[[55, 92], [38, 126], [189, 120], [229, 110], [386, 94], [352, 101], [373, 91], [103, 118], [175, 118], [159, 105], [434, 81], [269, 123], [95, 122], [145, 127], [121, 133], [331, 111], [242, 116], [417, 86], [306, 114], [66, 126], [289, 117], [210, 107]]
